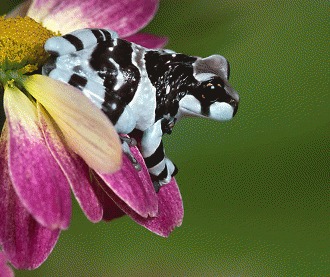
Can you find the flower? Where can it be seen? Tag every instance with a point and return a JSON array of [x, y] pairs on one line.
[[42, 117], [54, 138]]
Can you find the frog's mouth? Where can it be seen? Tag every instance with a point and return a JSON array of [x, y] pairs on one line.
[[220, 111]]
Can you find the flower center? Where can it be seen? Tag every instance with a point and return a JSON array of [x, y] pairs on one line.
[[21, 46]]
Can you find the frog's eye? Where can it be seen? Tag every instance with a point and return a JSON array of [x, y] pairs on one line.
[[209, 92], [212, 91]]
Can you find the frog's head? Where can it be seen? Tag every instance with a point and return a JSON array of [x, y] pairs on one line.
[[212, 96]]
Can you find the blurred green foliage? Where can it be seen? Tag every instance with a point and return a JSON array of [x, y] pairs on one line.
[[256, 189]]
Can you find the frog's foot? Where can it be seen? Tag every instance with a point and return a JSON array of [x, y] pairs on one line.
[[126, 144]]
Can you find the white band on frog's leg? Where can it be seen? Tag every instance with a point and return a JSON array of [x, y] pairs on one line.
[[151, 139], [153, 152], [152, 148]]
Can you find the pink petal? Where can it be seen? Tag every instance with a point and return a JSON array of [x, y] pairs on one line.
[[133, 187], [170, 210], [37, 178], [74, 168], [110, 209], [148, 40], [25, 242], [5, 270], [123, 16]]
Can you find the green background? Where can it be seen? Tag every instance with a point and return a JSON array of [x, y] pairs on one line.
[[255, 189]]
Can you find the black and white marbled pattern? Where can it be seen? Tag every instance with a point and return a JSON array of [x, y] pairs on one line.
[[144, 89]]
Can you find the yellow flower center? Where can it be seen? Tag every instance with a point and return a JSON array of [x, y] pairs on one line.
[[21, 46]]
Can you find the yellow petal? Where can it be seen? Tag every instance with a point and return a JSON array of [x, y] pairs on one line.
[[86, 128]]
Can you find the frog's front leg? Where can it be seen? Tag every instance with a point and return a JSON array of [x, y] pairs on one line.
[[160, 168]]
